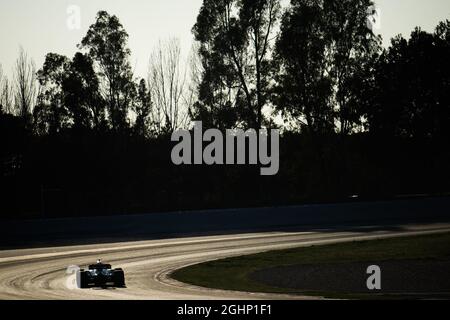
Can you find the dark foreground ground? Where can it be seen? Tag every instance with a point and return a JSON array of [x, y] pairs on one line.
[[380, 215], [399, 277], [415, 267]]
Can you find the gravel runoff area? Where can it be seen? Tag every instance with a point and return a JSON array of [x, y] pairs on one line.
[[406, 277]]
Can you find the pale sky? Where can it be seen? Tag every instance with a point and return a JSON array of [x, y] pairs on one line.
[[40, 26]]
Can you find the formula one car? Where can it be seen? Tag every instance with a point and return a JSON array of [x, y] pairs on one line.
[[100, 275]]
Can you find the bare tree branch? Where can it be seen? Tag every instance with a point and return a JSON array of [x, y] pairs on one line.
[[25, 88], [167, 80]]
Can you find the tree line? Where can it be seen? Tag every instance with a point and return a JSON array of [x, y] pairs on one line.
[[319, 66], [315, 65], [97, 90], [84, 135]]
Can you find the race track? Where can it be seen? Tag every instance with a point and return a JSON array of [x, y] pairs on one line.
[[41, 273]]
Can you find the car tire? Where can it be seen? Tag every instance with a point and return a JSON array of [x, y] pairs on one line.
[[119, 278], [82, 279]]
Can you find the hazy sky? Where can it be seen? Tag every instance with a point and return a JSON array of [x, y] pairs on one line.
[[40, 26]]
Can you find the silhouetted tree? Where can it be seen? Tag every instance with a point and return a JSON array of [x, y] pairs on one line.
[[69, 95], [323, 51], [7, 97], [236, 38], [352, 44], [6, 94], [25, 89], [106, 42], [82, 95], [412, 84], [304, 85], [442, 69], [195, 72], [143, 110], [168, 87], [51, 113]]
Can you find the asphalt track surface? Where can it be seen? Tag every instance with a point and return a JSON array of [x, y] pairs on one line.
[[41, 273]]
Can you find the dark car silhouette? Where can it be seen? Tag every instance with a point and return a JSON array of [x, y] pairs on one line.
[[100, 275]]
